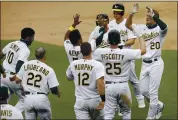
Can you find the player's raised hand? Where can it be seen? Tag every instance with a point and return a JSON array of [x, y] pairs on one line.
[[135, 8], [76, 19], [100, 106], [150, 11]]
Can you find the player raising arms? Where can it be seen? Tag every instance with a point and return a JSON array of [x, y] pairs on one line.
[[73, 40], [88, 76], [117, 68], [153, 32], [127, 40]]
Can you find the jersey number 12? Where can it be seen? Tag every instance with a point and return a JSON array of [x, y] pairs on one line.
[[83, 79]]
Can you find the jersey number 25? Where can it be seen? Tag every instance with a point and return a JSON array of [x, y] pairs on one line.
[[113, 68]]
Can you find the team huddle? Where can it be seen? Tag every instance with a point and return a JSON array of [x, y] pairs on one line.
[[100, 68]]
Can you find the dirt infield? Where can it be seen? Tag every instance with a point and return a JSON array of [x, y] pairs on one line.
[[51, 19]]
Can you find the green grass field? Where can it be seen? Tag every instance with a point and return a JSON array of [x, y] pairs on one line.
[[62, 108]]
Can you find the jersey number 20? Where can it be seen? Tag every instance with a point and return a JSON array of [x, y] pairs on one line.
[[83, 79], [113, 68], [155, 45], [34, 80], [10, 57]]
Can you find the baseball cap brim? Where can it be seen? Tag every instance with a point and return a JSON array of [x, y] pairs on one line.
[[118, 10]]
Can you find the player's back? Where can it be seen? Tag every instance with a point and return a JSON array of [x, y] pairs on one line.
[[73, 52], [14, 51], [35, 76], [116, 62], [10, 112], [85, 78]]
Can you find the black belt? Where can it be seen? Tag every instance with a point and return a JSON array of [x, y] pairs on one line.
[[27, 93], [150, 61], [110, 82]]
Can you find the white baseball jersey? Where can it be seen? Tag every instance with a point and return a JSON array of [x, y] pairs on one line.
[[73, 52], [117, 62], [125, 33], [10, 112], [85, 73], [94, 34], [15, 51], [154, 39], [36, 76]]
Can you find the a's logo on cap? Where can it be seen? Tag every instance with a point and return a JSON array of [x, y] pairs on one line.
[[115, 6]]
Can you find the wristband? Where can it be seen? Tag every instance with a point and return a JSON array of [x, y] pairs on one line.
[[102, 98], [71, 28]]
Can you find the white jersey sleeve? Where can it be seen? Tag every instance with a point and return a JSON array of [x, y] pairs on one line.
[[24, 54], [52, 80], [99, 70], [132, 54], [130, 34], [163, 33], [69, 72], [137, 30]]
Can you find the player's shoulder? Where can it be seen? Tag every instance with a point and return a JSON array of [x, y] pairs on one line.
[[97, 28], [9, 107], [140, 26], [112, 23], [67, 41]]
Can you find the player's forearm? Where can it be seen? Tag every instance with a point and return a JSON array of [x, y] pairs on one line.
[[68, 31], [55, 91], [129, 22], [160, 23], [1, 55], [130, 42], [101, 86], [142, 45]]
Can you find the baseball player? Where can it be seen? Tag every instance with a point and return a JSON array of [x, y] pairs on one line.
[[7, 111], [127, 40], [37, 78], [153, 32], [88, 76], [72, 40], [117, 68], [16, 53], [96, 37]]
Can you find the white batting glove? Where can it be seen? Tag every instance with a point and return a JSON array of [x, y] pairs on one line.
[[121, 44], [150, 11], [135, 8]]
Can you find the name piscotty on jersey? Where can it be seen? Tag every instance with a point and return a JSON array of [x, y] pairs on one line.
[[36, 76], [85, 73], [73, 52], [15, 51], [154, 39], [116, 62]]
